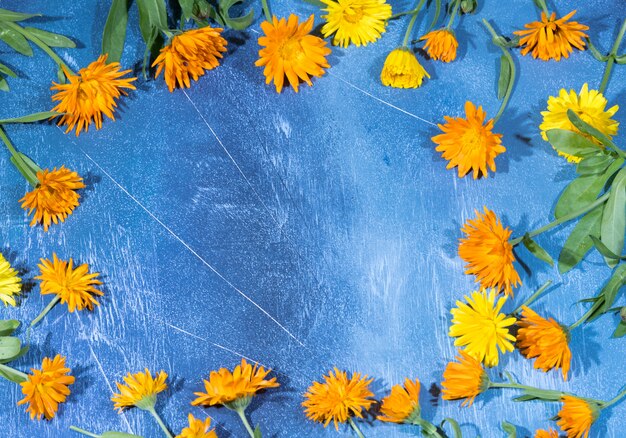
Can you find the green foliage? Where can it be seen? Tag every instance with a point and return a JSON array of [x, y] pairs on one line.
[[114, 33], [537, 250], [504, 79], [509, 429], [456, 429]]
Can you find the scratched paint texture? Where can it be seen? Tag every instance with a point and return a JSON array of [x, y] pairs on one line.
[[303, 231]]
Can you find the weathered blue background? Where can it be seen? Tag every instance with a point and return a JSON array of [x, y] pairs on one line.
[[303, 231]]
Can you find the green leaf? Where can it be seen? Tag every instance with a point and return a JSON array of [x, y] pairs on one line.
[[584, 190], [455, 426], [7, 71], [537, 250], [237, 23], [4, 85], [509, 429], [15, 40], [586, 128], [602, 249], [186, 7], [257, 432], [594, 164], [605, 299], [539, 394], [51, 39], [596, 53], [30, 163], [22, 352], [579, 241], [505, 76], [12, 375], [6, 15], [152, 18], [620, 330], [614, 218], [114, 33], [112, 434], [35, 117], [621, 59], [428, 429], [26, 172], [9, 347], [571, 143], [8, 326]]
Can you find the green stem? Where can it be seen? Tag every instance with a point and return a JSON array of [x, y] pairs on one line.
[[45, 311], [242, 414], [582, 319], [455, 11], [266, 10], [160, 422], [20, 163], [544, 7], [525, 388], [611, 60], [566, 218], [533, 297], [509, 90], [22, 375], [614, 399], [84, 432], [356, 429], [402, 14], [409, 28], [43, 46]]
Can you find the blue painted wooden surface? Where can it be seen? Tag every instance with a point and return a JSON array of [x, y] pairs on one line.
[[303, 231]]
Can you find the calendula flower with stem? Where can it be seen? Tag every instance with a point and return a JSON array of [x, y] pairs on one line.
[[140, 390], [10, 282], [235, 389], [441, 44], [357, 22], [611, 58]]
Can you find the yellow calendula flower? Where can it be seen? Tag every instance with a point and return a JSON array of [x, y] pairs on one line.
[[441, 45], [488, 253], [544, 340], [139, 390], [589, 105], [402, 404], [464, 380], [481, 328], [10, 282], [552, 38], [339, 398], [224, 386], [550, 433], [54, 198], [74, 286], [355, 21], [45, 389], [289, 50], [576, 417], [469, 143], [197, 429], [190, 54], [402, 70], [90, 94]]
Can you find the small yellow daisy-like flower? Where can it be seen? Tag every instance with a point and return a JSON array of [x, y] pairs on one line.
[[488, 253], [481, 328], [589, 105], [441, 45], [224, 386], [289, 50], [464, 379], [576, 416], [550, 433], [91, 93], [402, 70], [552, 38], [469, 143], [355, 21], [54, 198], [190, 53], [10, 282], [45, 389], [197, 429], [139, 390], [545, 340], [74, 286], [338, 398], [402, 404]]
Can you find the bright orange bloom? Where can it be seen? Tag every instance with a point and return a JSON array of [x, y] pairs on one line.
[[90, 94], [402, 403], [488, 253], [576, 417], [545, 340], [469, 143], [550, 433], [441, 45], [338, 398], [289, 50], [74, 286], [224, 386], [190, 53], [198, 429], [45, 389], [139, 390], [552, 38], [464, 379], [54, 198]]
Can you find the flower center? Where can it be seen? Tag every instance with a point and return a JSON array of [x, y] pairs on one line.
[[353, 15], [291, 50], [474, 139]]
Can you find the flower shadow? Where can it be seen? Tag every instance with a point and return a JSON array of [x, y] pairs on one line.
[[585, 350]]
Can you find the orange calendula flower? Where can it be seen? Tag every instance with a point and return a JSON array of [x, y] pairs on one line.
[[576, 417], [224, 386], [355, 21], [190, 53], [338, 398], [402, 404], [289, 50], [54, 198], [197, 429], [139, 390], [544, 340], [45, 389], [469, 143], [441, 45], [74, 286], [464, 379], [550, 433], [91, 93], [551, 38], [488, 253]]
